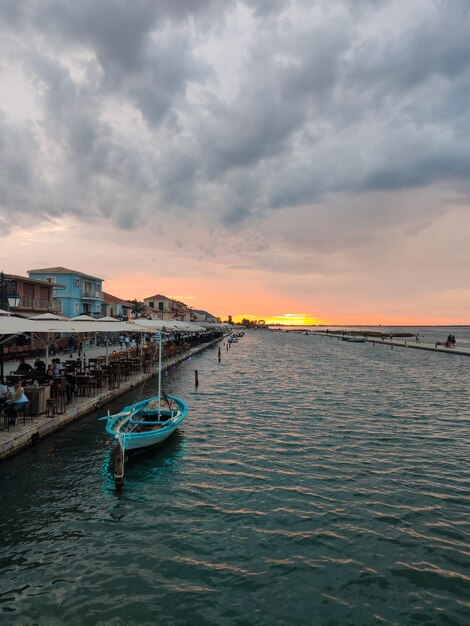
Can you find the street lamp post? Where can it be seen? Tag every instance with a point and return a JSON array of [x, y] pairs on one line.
[[8, 300]]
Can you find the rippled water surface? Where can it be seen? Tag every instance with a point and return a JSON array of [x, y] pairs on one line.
[[313, 482]]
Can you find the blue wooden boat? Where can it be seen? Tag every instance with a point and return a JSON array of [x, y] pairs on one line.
[[145, 424]]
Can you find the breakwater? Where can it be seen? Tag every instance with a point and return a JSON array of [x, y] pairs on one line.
[[407, 340]]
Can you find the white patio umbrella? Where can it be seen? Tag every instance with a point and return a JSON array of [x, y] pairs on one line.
[[50, 338], [46, 316], [107, 318], [84, 318]]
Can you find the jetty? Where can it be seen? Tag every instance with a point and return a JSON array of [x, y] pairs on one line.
[[409, 341], [30, 428]]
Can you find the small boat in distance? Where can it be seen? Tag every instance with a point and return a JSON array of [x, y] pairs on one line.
[[354, 339]]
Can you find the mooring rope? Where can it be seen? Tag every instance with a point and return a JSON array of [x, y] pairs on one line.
[[141, 389]]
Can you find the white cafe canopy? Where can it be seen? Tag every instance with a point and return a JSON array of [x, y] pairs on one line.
[[10, 325], [154, 325], [188, 327], [215, 326]]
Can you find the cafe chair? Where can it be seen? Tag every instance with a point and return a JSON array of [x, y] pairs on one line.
[[25, 411]]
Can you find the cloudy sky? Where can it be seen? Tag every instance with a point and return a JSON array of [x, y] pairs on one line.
[[255, 158]]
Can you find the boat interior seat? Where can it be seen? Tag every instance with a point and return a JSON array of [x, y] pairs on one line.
[[154, 414]]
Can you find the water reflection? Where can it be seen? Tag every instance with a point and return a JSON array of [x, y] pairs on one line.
[[151, 466], [301, 485]]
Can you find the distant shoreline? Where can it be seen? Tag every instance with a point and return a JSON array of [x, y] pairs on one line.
[[320, 326]]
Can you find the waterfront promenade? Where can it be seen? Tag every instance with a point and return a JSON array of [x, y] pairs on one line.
[[25, 434]]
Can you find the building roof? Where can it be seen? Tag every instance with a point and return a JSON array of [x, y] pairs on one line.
[[160, 297], [36, 281], [201, 312], [110, 299], [157, 297], [61, 270]]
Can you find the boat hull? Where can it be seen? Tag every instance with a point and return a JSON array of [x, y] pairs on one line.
[[136, 427]]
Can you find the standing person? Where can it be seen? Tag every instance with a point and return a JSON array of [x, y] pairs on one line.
[[23, 367], [16, 402], [121, 341], [127, 341], [71, 345]]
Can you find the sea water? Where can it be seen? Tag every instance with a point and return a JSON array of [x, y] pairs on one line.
[[313, 482]]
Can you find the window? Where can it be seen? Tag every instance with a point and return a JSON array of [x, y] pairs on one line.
[[152, 305], [160, 306], [76, 283], [50, 279], [75, 307]]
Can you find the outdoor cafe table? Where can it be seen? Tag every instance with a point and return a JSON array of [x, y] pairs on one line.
[[38, 397], [16, 378]]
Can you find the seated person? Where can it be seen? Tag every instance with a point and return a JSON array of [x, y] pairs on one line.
[[3, 395], [70, 384], [23, 367], [57, 367], [16, 402], [39, 366], [46, 378]]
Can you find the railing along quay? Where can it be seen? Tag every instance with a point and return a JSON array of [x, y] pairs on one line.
[[27, 433]]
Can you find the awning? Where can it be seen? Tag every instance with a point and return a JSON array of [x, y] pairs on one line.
[[10, 325]]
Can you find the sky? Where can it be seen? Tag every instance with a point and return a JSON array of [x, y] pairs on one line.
[[285, 160]]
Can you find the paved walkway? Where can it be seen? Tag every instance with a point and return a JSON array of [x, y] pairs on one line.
[[406, 342]]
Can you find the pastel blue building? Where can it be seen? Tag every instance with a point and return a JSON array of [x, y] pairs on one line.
[[82, 295]]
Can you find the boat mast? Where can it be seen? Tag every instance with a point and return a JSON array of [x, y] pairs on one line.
[[160, 334]]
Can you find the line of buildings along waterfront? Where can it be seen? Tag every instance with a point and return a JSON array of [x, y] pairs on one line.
[[70, 293]]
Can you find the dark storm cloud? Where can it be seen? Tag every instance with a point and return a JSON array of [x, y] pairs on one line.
[[146, 107]]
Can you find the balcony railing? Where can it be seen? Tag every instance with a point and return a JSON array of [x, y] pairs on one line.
[[28, 302], [91, 295]]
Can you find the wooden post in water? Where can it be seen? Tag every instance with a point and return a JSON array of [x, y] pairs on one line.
[[118, 466], [196, 379], [219, 354]]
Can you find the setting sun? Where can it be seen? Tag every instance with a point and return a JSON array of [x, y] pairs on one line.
[[293, 319]]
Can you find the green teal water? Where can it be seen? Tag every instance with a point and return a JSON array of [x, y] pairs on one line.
[[313, 482]]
